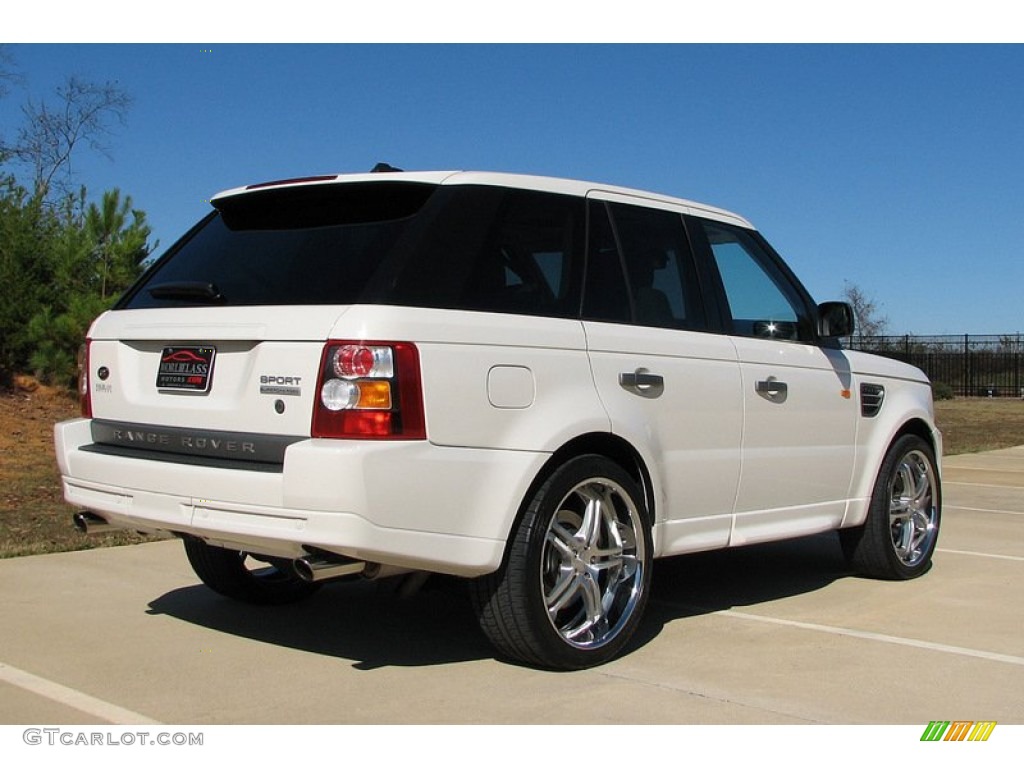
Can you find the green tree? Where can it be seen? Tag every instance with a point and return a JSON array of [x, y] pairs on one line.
[[29, 231], [95, 258], [56, 338], [119, 243], [62, 258]]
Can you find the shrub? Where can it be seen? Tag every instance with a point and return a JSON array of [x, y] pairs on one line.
[[942, 391]]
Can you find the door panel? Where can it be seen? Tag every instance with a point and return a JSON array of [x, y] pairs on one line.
[[668, 387], [690, 423], [799, 413], [798, 439]]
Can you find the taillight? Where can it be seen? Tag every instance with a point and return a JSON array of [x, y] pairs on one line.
[[369, 389], [84, 394]]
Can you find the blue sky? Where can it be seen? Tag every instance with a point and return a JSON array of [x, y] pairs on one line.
[[899, 168]]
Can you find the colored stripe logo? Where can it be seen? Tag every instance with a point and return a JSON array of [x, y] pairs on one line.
[[958, 730]]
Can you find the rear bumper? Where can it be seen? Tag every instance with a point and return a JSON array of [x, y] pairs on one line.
[[404, 503]]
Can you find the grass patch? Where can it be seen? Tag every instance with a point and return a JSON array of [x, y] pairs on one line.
[[34, 519], [972, 424]]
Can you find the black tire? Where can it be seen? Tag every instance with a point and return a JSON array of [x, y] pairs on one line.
[[227, 572], [582, 546], [898, 538]]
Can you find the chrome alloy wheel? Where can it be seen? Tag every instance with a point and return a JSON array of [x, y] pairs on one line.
[[592, 563], [913, 514]]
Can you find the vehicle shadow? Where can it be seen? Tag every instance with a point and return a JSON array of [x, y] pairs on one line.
[[707, 582], [361, 621], [370, 625]]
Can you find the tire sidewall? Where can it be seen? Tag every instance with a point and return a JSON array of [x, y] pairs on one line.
[[529, 544], [880, 502]]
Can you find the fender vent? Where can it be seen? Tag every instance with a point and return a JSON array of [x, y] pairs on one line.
[[871, 397]]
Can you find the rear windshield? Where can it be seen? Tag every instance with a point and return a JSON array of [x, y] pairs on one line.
[[303, 245], [460, 247]]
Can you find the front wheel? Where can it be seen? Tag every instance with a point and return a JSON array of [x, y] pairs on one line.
[[242, 577], [899, 536], [575, 581]]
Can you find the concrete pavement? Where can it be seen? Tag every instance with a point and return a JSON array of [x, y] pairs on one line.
[[771, 634]]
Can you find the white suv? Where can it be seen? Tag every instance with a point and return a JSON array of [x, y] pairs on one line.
[[537, 384]]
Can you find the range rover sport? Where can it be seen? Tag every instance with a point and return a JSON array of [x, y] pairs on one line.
[[537, 384]]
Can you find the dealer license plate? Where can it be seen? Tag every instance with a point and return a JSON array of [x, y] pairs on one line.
[[186, 368]]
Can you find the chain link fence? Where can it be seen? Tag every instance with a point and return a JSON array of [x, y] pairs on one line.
[[970, 365]]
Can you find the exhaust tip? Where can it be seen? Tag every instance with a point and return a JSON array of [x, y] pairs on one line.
[[315, 568], [90, 523]]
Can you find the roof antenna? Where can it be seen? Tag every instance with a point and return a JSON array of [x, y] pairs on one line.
[[385, 168]]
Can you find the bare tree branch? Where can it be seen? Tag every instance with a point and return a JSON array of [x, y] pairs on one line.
[[866, 312], [83, 113], [8, 77], [8, 73]]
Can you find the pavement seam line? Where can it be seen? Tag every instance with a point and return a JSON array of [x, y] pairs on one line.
[[981, 485], [922, 644], [980, 554], [69, 697], [983, 469], [980, 509]]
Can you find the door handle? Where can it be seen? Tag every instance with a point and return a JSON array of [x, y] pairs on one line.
[[772, 389], [643, 381]]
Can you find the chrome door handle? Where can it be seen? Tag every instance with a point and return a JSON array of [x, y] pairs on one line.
[[772, 389], [641, 380]]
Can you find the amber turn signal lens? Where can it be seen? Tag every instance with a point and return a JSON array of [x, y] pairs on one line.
[[374, 394]]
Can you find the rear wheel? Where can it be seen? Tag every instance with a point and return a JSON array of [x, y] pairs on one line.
[[240, 576], [899, 536], [576, 577]]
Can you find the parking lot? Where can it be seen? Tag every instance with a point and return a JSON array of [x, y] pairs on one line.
[[774, 634]]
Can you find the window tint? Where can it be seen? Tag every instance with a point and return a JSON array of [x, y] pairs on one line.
[[484, 248], [761, 301], [527, 263], [301, 245], [640, 269], [662, 280], [494, 250], [607, 296]]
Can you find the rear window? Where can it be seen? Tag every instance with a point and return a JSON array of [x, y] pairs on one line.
[[302, 245], [462, 247]]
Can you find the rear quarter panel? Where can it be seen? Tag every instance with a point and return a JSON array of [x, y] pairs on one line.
[[494, 381]]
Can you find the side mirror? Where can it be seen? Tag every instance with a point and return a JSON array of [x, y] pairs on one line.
[[835, 319]]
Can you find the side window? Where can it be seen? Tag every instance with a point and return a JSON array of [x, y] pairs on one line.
[[491, 249], [640, 268], [662, 279], [527, 264], [761, 301]]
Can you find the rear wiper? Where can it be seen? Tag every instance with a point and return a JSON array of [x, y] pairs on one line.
[[206, 293]]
